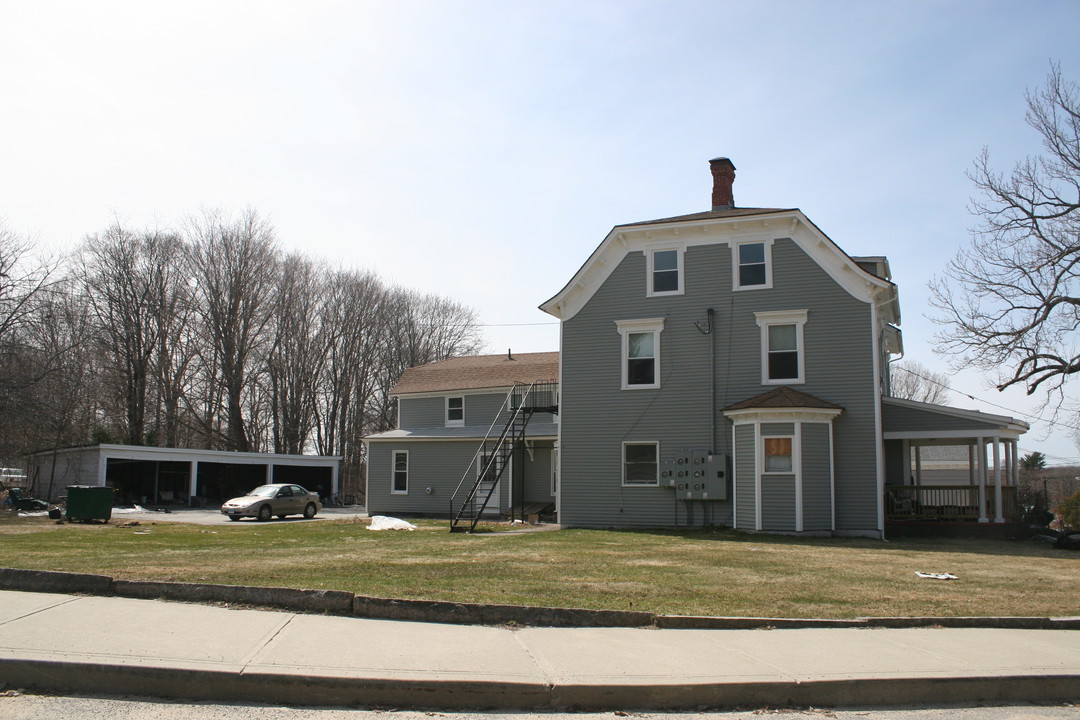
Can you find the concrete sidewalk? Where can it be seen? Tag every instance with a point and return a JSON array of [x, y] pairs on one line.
[[112, 645]]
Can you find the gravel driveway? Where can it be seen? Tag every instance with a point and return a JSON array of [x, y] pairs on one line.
[[212, 516]]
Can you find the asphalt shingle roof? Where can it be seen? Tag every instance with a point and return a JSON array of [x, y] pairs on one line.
[[475, 372], [783, 397]]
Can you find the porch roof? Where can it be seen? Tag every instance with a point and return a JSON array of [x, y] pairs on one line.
[[911, 420], [533, 431]]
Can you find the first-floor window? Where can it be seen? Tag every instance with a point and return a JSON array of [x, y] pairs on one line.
[[640, 463], [400, 482], [778, 454]]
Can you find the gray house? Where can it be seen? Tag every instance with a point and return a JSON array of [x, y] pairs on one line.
[[727, 367], [451, 417]]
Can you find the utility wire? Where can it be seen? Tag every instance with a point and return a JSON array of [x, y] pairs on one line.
[[988, 402]]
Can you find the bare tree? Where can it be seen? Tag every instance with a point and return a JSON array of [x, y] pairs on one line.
[[234, 263], [298, 356], [129, 280], [25, 282], [911, 380], [1009, 302]]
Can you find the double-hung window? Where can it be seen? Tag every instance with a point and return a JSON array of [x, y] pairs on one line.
[[782, 355], [640, 353], [777, 453], [455, 411], [641, 463], [753, 266], [665, 271], [399, 483]]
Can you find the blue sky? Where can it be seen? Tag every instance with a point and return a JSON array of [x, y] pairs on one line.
[[482, 150]]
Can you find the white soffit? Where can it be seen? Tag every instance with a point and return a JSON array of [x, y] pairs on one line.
[[624, 239]]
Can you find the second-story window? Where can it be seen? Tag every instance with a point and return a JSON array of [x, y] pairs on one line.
[[640, 353], [665, 271], [782, 357], [455, 411]]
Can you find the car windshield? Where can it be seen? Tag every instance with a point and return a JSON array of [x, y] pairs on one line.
[[264, 491]]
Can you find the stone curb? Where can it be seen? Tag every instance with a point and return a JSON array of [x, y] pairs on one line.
[[337, 602], [458, 694], [48, 581], [478, 614]]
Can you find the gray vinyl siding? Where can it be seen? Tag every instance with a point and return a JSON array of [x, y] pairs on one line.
[[538, 475], [597, 416], [480, 410], [439, 465], [904, 419], [778, 503], [894, 463], [816, 485], [745, 474], [777, 429], [422, 412]]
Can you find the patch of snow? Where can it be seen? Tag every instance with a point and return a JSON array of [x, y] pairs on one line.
[[381, 522]]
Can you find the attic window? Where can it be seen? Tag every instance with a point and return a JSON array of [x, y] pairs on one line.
[[665, 271], [753, 266]]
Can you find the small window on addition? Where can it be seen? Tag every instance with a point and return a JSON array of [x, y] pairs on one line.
[[455, 411], [778, 454]]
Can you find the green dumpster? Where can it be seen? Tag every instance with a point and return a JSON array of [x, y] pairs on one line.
[[89, 502]]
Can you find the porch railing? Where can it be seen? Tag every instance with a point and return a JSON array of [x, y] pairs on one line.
[[946, 502]]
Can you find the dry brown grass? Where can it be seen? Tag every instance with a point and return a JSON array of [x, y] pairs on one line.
[[691, 572]]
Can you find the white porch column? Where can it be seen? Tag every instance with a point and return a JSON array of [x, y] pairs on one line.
[[981, 455], [918, 465], [1015, 462], [998, 518], [971, 464], [193, 482]]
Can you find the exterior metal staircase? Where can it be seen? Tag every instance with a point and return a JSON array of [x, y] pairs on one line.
[[493, 457]]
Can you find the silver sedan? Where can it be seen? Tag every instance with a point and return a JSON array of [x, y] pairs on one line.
[[279, 499]]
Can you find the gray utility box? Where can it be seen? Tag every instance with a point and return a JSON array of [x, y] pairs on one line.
[[696, 475]]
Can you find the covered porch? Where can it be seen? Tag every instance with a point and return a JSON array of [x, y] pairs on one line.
[[947, 465]]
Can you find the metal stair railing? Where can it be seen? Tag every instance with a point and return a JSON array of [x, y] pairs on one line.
[[492, 455]]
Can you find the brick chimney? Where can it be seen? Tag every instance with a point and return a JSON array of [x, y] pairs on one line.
[[723, 177]]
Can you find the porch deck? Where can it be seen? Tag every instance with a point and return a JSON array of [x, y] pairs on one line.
[[946, 503]]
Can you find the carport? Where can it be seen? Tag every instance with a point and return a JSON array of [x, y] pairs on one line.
[[163, 476]]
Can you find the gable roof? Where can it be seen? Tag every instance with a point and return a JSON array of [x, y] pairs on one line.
[[475, 372], [724, 227], [783, 397]]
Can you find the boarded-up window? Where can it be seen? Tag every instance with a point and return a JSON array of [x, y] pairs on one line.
[[777, 454]]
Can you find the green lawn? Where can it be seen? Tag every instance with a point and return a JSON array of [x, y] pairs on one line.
[[690, 572]]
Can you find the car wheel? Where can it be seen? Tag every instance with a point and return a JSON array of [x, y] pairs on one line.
[[234, 518], [264, 513], [309, 511]]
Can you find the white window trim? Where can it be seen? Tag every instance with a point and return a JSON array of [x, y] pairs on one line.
[[768, 243], [626, 327], [782, 317], [680, 250], [393, 471], [794, 451], [656, 480], [446, 411]]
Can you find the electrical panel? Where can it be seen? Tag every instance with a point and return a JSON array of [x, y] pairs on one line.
[[696, 475]]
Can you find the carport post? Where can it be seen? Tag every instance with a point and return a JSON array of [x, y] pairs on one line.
[[193, 483], [269, 473]]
